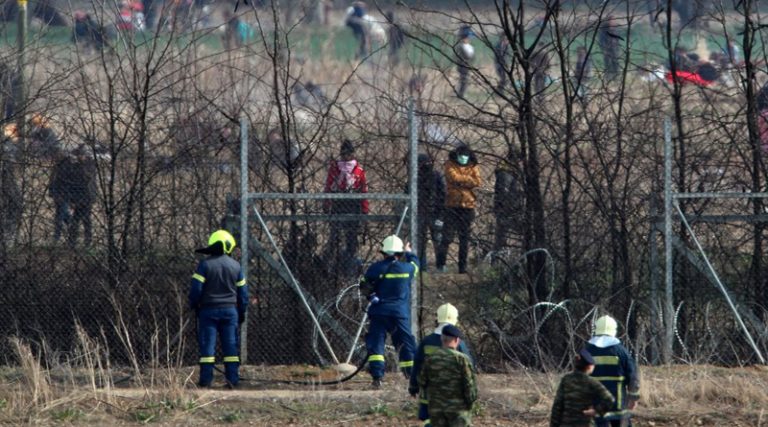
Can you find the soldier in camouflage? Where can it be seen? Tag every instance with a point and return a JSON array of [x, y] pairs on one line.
[[580, 397], [449, 381]]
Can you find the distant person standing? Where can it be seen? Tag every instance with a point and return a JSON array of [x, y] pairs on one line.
[[43, 141], [732, 54], [608, 39], [465, 55], [462, 177], [449, 381], [540, 63], [616, 370], [345, 175], [431, 192], [73, 189], [396, 39], [10, 194], [501, 57], [583, 73], [357, 23], [86, 32], [507, 202], [236, 31], [762, 119]]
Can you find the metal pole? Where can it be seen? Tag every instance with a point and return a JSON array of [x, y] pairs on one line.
[[296, 286], [21, 96], [244, 235], [413, 178], [653, 251], [721, 286], [402, 220], [359, 331], [669, 309]]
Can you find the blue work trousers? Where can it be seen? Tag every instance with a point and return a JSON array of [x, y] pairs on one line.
[[400, 330], [221, 321]]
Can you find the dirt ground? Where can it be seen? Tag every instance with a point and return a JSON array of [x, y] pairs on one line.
[[676, 396]]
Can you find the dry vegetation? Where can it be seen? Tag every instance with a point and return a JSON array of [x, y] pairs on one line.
[[672, 396], [167, 117]]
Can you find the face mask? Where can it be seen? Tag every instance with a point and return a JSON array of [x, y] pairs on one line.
[[462, 160]]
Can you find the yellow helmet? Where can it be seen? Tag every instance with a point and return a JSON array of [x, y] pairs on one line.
[[392, 245], [447, 313], [606, 325], [226, 239]]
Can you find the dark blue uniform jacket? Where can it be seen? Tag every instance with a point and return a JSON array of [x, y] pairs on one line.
[[218, 282], [390, 280], [617, 371]]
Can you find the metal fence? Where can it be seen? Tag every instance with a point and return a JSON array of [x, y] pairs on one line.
[[102, 232]]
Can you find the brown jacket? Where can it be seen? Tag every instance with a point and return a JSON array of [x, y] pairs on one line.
[[460, 183]]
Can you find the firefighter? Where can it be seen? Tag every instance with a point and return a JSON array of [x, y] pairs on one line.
[[219, 296], [388, 286], [616, 370], [447, 314]]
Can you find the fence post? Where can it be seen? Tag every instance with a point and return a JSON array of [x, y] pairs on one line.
[[653, 267], [413, 177], [21, 94], [669, 307], [244, 235]]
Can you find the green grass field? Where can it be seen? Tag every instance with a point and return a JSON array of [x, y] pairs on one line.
[[431, 50]]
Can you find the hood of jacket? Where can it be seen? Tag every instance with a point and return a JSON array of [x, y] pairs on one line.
[[604, 341], [453, 156]]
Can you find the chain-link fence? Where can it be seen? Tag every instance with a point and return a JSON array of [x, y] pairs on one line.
[[136, 159]]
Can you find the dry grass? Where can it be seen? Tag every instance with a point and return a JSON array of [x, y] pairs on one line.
[[31, 393]]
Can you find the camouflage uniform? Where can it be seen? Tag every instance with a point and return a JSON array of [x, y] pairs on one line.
[[449, 381], [576, 393]]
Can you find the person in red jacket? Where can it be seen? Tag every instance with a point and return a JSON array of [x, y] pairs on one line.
[[345, 176]]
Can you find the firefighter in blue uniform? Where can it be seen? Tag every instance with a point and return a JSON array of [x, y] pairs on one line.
[[447, 314], [616, 370], [388, 285], [219, 296]]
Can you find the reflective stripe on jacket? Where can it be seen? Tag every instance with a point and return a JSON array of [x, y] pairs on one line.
[[391, 281], [617, 371]]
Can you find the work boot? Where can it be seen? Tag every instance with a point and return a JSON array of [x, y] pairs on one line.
[[376, 384]]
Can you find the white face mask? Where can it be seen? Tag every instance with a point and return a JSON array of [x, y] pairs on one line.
[[462, 160]]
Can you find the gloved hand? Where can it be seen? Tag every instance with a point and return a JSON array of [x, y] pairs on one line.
[[240, 317], [438, 224], [413, 391], [373, 298]]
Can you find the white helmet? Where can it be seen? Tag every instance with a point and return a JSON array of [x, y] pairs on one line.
[[606, 325], [392, 245], [447, 313]]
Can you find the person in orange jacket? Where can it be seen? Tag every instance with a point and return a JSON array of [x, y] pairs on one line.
[[462, 176]]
